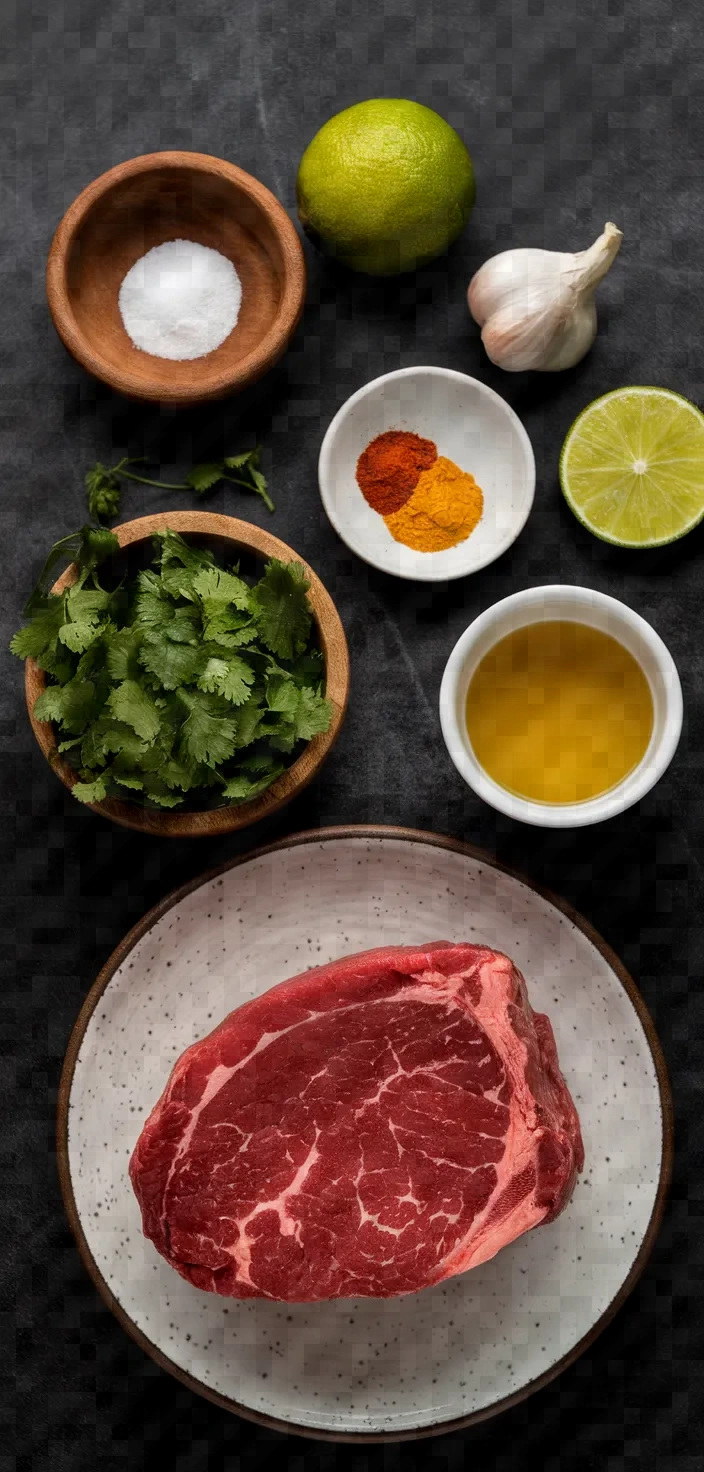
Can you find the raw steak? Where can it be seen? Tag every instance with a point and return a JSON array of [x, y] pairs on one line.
[[368, 1128]]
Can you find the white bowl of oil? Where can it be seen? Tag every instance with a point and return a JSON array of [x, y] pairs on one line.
[[560, 706]]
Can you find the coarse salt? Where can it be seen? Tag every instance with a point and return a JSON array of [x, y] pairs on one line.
[[180, 300]]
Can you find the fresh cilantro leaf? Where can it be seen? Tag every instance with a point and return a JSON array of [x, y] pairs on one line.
[[130, 703], [253, 479], [248, 719], [203, 477], [185, 627], [228, 627], [68, 745], [97, 543], [121, 654], [41, 634], [206, 735], [90, 791], [313, 715], [282, 735], [308, 669], [281, 608], [282, 695], [70, 705], [243, 788], [171, 664], [246, 459], [260, 762], [164, 799], [180, 774], [135, 784], [87, 548], [111, 738], [61, 664], [81, 631], [217, 587], [104, 494], [153, 606], [180, 564], [230, 678]]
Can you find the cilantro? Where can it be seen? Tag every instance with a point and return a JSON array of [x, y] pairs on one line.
[[95, 791], [132, 704], [281, 608], [207, 735], [185, 685], [103, 483], [229, 677]]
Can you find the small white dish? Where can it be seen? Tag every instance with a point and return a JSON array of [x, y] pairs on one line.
[[366, 1368], [579, 605], [471, 425]]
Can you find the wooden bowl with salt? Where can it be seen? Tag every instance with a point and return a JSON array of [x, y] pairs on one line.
[[163, 197], [233, 539]]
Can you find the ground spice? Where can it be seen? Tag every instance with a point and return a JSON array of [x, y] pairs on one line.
[[389, 469], [444, 508]]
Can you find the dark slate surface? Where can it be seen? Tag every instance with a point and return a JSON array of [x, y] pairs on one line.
[[576, 111]]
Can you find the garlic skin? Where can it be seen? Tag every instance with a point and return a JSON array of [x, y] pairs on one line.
[[536, 307]]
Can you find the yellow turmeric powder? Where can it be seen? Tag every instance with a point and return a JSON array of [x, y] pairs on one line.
[[443, 509]]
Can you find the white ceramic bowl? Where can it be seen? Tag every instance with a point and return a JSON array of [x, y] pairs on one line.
[[580, 605], [471, 425]]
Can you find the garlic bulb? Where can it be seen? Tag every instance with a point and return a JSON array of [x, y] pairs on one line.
[[536, 307]]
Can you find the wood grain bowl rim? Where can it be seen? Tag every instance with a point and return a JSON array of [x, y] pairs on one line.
[[209, 822], [229, 380], [297, 840]]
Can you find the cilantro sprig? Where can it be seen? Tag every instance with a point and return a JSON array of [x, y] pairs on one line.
[[186, 685], [104, 483]]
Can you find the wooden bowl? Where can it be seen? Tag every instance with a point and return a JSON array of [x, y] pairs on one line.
[[141, 204], [241, 537]]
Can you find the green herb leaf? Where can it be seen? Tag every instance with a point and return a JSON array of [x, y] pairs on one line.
[[206, 735], [84, 617], [203, 477], [42, 633], [71, 705], [247, 458], [103, 489], [121, 654], [90, 791], [281, 608], [248, 720], [171, 664], [218, 588], [313, 715], [243, 788], [133, 705], [180, 564], [230, 678]]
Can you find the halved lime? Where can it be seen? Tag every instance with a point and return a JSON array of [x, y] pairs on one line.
[[632, 467]]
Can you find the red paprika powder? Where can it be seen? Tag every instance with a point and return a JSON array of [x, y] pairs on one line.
[[389, 469]]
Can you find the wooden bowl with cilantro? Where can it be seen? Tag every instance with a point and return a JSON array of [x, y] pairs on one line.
[[189, 678]]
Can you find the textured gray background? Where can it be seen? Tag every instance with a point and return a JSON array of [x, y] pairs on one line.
[[575, 113]]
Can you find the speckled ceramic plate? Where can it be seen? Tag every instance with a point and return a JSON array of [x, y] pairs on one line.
[[369, 1368]]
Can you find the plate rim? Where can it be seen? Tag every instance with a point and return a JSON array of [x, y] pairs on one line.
[[295, 840]]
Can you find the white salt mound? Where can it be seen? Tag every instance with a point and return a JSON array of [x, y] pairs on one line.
[[180, 300]]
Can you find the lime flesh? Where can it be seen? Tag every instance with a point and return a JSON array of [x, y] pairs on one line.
[[632, 467], [385, 186]]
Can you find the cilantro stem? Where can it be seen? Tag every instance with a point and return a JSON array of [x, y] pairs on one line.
[[161, 485], [249, 487]]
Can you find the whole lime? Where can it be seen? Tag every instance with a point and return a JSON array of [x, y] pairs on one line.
[[385, 186]]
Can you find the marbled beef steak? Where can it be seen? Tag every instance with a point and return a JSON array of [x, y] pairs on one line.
[[368, 1128]]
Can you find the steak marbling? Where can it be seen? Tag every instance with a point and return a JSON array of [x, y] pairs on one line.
[[369, 1128]]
